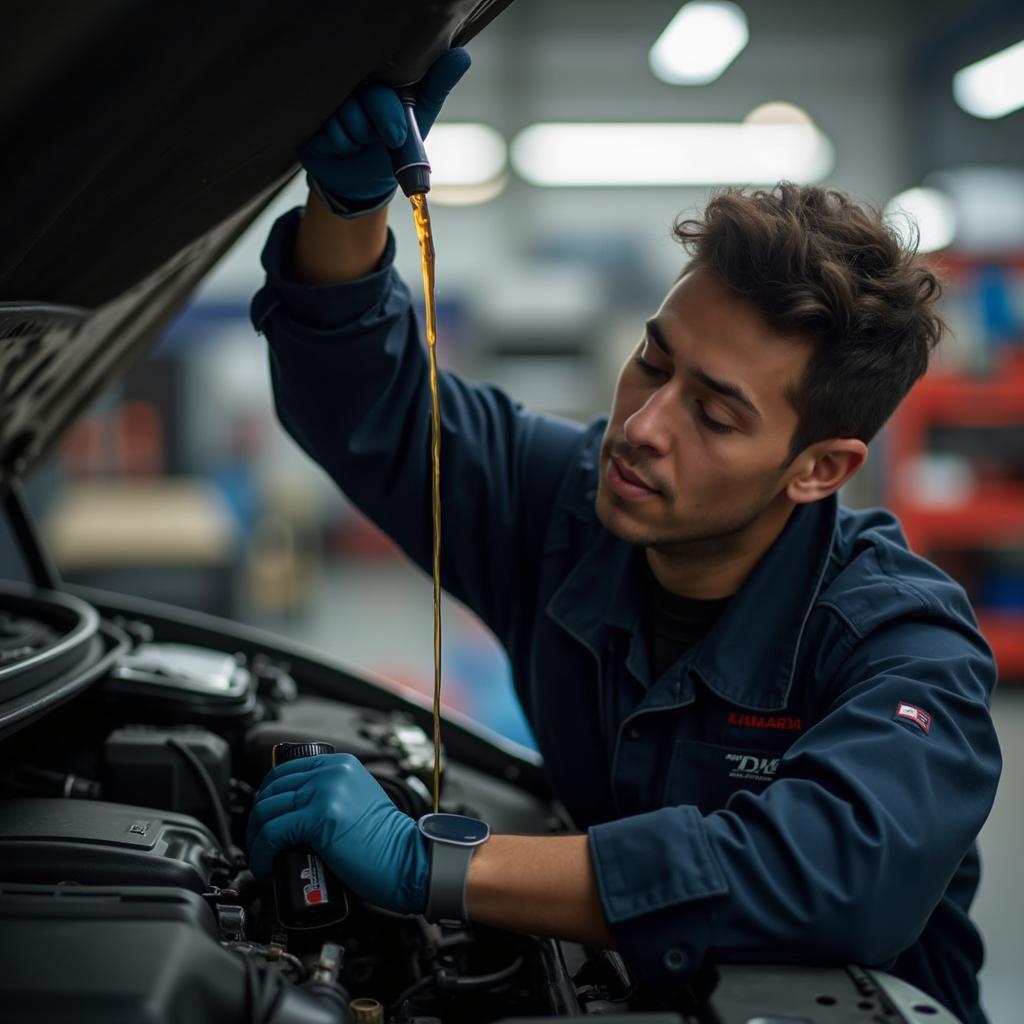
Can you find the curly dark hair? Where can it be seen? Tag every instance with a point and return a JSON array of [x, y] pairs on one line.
[[819, 265]]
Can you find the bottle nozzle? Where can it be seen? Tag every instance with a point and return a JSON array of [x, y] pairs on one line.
[[409, 161]]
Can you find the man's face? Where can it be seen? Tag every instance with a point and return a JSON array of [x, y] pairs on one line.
[[700, 426]]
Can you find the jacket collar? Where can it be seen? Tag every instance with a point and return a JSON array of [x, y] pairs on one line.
[[601, 592], [749, 657]]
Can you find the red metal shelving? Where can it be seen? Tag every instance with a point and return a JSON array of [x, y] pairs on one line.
[[1005, 632], [990, 515]]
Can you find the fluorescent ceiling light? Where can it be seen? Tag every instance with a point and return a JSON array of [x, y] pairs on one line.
[[994, 86], [778, 112], [671, 154], [465, 154], [468, 195], [989, 204], [699, 43], [931, 211]]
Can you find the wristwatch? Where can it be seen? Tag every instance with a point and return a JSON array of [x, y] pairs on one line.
[[453, 838]]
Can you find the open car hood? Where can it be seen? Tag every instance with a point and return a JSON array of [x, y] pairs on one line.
[[140, 141]]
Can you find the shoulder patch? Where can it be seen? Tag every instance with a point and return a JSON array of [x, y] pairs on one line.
[[909, 713]]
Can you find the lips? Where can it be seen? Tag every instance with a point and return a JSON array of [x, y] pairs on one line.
[[628, 484], [630, 477]]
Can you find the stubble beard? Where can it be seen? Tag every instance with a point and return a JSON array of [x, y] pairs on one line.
[[707, 535]]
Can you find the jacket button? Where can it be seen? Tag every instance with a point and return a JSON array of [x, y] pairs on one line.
[[674, 960], [633, 733]]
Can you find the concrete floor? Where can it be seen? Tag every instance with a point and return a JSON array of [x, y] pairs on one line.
[[381, 617]]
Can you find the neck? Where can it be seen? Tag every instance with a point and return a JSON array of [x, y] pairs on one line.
[[716, 567]]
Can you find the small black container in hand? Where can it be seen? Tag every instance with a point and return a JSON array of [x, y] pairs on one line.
[[307, 894]]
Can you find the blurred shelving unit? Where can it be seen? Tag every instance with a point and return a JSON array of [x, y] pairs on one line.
[[955, 452]]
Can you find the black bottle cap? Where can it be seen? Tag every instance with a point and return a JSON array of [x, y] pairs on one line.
[[414, 179], [283, 752]]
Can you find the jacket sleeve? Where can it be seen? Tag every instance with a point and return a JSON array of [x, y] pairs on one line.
[[843, 857], [350, 378]]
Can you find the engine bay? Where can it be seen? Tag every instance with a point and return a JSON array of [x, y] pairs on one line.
[[122, 823], [133, 738]]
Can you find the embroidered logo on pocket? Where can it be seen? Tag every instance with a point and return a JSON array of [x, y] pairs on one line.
[[909, 713], [751, 768], [783, 722]]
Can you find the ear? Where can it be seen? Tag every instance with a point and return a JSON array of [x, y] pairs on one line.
[[823, 468]]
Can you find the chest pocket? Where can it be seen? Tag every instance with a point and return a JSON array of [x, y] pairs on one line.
[[706, 775]]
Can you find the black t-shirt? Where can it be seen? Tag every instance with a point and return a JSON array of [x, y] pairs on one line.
[[672, 625], [676, 623]]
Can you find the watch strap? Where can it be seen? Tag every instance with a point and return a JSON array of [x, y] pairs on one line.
[[446, 887]]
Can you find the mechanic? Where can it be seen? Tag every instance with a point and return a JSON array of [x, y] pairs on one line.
[[768, 718]]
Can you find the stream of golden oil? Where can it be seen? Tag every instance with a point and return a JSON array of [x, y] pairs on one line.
[[421, 216]]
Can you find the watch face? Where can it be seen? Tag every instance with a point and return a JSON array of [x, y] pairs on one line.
[[454, 828]]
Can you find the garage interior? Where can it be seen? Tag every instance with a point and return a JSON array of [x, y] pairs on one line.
[[179, 485]]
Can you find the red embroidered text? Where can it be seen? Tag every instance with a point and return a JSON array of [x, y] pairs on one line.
[[765, 721]]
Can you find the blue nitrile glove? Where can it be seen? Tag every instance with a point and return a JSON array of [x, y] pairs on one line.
[[348, 156], [333, 805]]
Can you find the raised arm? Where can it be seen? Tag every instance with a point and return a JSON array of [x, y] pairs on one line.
[[334, 250], [349, 373]]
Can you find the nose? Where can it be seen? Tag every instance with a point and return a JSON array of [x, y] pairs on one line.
[[650, 426]]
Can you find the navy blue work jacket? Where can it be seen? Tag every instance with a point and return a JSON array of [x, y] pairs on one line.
[[804, 785]]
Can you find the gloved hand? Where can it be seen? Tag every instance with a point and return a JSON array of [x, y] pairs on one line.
[[348, 156], [333, 805]]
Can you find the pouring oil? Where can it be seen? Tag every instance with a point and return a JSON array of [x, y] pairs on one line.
[[421, 217]]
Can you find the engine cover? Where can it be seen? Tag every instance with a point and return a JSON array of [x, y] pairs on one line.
[[50, 841], [122, 956]]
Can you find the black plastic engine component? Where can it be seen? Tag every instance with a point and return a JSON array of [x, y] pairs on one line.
[[121, 956], [32, 781], [407, 793], [822, 995], [398, 753], [141, 767], [96, 843], [311, 720], [43, 634], [49, 647]]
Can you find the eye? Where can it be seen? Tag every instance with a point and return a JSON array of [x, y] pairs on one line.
[[649, 369], [713, 425]]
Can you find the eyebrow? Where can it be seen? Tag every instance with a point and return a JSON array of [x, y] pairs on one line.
[[721, 387]]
